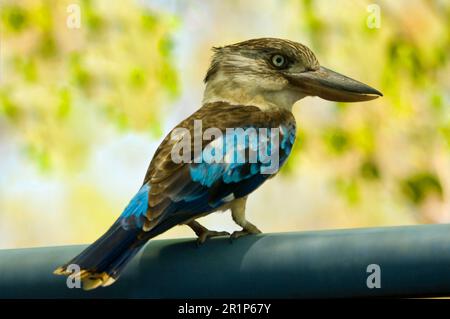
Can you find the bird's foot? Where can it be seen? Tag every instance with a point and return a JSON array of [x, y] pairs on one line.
[[240, 233], [204, 233], [202, 237]]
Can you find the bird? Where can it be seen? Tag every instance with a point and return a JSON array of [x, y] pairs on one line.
[[249, 86]]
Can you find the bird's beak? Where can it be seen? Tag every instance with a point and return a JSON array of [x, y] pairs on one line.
[[332, 86]]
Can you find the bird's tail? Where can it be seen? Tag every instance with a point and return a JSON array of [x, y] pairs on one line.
[[101, 263]]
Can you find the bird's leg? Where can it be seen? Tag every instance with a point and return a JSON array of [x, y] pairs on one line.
[[204, 233], [238, 214]]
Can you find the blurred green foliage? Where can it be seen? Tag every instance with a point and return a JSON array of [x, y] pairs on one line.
[[65, 92], [401, 139], [419, 186], [60, 84]]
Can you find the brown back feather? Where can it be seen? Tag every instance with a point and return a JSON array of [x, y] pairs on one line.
[[168, 179]]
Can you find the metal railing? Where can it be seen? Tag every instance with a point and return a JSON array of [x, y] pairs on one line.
[[392, 261]]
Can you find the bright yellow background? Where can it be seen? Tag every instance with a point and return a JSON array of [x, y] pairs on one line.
[[83, 109]]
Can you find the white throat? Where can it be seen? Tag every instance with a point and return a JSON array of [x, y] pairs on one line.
[[250, 92]]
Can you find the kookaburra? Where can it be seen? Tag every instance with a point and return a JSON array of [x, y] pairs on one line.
[[249, 85]]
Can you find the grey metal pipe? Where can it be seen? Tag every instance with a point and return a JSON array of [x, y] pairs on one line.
[[413, 261]]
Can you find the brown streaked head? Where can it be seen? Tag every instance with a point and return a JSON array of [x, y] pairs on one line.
[[271, 64]]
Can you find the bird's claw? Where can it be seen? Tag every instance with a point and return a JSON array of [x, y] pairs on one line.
[[209, 234], [240, 233]]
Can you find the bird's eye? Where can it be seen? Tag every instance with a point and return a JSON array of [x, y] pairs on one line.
[[278, 61]]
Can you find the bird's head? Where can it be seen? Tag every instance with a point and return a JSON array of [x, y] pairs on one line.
[[271, 72]]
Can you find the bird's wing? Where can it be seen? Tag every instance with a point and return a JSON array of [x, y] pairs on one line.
[[178, 192]]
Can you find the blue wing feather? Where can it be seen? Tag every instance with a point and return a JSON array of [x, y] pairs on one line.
[[134, 213], [238, 178], [212, 183]]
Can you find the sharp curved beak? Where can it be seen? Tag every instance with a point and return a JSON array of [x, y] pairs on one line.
[[332, 86]]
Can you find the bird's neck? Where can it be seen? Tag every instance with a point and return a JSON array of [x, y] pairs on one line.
[[250, 95]]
